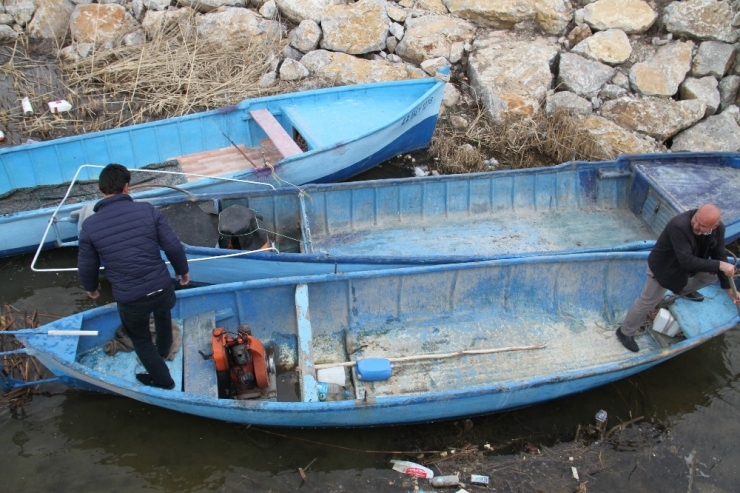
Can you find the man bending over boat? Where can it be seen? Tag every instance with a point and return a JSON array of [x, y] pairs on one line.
[[127, 236], [690, 253]]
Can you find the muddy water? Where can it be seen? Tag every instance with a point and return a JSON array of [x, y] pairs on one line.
[[64, 440]]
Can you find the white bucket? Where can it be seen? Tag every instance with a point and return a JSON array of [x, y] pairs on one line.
[[27, 108], [664, 323], [59, 105]]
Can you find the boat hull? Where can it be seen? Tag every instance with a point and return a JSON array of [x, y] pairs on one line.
[[403, 121], [551, 321]]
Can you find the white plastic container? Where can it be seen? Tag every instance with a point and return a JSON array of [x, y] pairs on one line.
[[334, 374], [2, 136], [664, 323], [27, 108], [59, 106]]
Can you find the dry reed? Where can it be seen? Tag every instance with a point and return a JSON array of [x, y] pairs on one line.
[[174, 73], [522, 142]]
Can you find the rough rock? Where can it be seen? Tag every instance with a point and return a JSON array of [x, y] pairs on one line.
[[511, 76], [728, 91], [582, 76], [567, 101], [356, 28], [21, 10], [432, 36], [611, 47], [342, 69], [704, 89], [713, 58], [663, 72], [630, 16], [229, 24], [660, 118], [299, 10], [7, 34], [701, 20], [551, 16], [716, 133], [306, 36], [102, 25], [51, 20], [206, 6], [614, 140]]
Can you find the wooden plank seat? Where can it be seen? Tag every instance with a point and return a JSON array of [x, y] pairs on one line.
[[229, 159], [277, 134], [199, 375]]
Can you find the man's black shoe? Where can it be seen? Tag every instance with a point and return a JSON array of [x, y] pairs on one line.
[[627, 341], [694, 296], [146, 379]]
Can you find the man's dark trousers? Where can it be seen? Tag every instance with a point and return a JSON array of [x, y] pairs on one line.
[[135, 321]]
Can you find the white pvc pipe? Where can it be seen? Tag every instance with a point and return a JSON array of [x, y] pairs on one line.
[[72, 332]]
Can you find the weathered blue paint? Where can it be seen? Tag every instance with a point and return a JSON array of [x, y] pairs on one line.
[[575, 207], [349, 130], [571, 304]]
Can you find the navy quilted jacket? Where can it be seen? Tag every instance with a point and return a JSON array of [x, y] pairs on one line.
[[127, 237]]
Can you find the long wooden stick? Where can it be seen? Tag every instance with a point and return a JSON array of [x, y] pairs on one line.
[[437, 356]]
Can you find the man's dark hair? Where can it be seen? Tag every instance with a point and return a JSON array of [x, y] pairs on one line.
[[113, 178]]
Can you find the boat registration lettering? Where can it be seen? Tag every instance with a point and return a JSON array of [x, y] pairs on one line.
[[417, 110]]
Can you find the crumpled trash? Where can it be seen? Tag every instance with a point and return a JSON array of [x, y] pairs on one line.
[[122, 342], [412, 469]]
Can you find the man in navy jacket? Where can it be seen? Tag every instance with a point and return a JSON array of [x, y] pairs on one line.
[[127, 236], [689, 254]]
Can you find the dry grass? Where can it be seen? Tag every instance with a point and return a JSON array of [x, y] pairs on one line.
[[173, 74], [176, 72], [522, 142], [17, 366]]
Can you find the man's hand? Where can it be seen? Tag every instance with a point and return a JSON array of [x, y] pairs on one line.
[[727, 268], [93, 294], [734, 296], [184, 279]]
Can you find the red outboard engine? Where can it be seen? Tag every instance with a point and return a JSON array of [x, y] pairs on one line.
[[241, 363]]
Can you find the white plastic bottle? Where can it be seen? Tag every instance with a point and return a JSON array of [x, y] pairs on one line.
[[452, 480], [27, 108]]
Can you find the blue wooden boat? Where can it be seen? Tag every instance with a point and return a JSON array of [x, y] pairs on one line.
[[404, 345], [577, 207], [324, 135]]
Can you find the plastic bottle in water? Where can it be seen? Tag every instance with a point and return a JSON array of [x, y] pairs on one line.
[[451, 480], [27, 108], [601, 417], [332, 392]]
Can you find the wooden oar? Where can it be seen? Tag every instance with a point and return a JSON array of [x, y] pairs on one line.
[[437, 356], [732, 283]]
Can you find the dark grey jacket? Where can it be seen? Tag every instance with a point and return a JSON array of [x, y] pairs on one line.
[[678, 253], [127, 237]]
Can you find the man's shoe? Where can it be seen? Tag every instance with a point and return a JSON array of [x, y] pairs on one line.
[[694, 296], [627, 341], [146, 379]]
